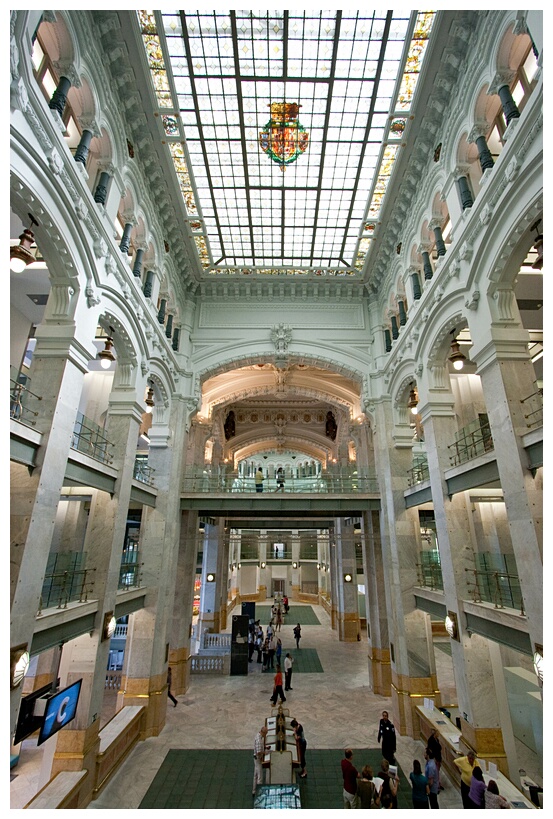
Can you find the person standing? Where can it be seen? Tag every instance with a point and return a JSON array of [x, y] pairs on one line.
[[477, 788], [169, 680], [258, 757], [390, 783], [277, 688], [285, 604], [465, 764], [259, 481], [366, 790], [259, 645], [301, 745], [288, 663], [265, 652], [431, 773], [492, 797], [420, 786], [280, 480], [350, 776], [272, 650], [436, 747], [278, 655], [387, 733], [251, 645], [278, 619], [297, 635]]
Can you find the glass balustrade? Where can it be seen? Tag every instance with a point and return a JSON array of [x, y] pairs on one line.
[[22, 400], [346, 482], [67, 580], [495, 580], [471, 441], [429, 570], [533, 409], [89, 439]]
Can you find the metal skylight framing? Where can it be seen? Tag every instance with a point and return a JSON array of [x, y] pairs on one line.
[[215, 76]]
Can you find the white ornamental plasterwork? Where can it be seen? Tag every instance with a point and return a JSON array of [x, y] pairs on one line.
[[472, 302], [281, 336], [91, 298]]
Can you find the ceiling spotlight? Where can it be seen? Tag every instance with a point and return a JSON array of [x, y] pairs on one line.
[[106, 355], [149, 401], [457, 358], [413, 399], [21, 255]]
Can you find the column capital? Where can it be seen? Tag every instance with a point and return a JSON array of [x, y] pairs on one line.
[[435, 223], [479, 129], [66, 68], [90, 124], [129, 217], [504, 77]]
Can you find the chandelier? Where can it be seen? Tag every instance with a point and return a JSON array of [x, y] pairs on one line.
[[284, 138]]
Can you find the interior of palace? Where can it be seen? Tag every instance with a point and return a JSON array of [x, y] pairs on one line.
[[276, 330]]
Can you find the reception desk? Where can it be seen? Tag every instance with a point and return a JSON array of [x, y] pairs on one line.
[[450, 736]]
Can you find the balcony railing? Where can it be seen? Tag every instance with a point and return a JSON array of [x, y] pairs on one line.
[[533, 409], [205, 481], [418, 473], [495, 580], [142, 472], [19, 398], [66, 581], [88, 438], [429, 570], [471, 441], [130, 575]]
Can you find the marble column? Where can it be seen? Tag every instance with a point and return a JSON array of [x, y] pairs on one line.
[[411, 668], [144, 681], [377, 621], [210, 594], [333, 578], [263, 572], [507, 376], [126, 237], [183, 602], [86, 657], [296, 573], [57, 377], [348, 607], [59, 97], [470, 653]]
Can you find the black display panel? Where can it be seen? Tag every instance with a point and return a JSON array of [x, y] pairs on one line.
[[239, 644], [27, 722], [60, 709]]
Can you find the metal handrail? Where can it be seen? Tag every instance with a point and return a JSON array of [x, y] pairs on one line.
[[471, 441], [430, 576], [203, 482], [418, 473], [142, 472], [534, 417], [65, 587], [18, 393], [88, 438], [484, 591]]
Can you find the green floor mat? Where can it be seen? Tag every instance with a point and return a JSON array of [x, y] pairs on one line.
[[304, 615], [306, 660], [189, 779]]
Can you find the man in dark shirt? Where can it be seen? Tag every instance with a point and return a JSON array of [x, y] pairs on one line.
[[350, 774]]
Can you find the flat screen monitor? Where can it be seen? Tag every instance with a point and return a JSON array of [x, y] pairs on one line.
[[27, 721], [60, 709]]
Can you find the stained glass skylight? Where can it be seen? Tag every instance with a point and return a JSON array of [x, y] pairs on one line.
[[215, 76]]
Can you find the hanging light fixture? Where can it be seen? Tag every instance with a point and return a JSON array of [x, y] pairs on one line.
[[150, 403], [21, 255], [413, 399], [284, 138], [457, 358], [538, 246], [106, 356]]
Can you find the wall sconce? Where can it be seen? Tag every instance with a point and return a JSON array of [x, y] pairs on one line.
[[108, 629], [210, 577], [413, 399], [19, 664], [263, 564], [348, 578], [239, 565], [318, 566], [294, 565], [21, 255], [106, 356], [457, 358], [538, 661], [451, 625], [149, 401]]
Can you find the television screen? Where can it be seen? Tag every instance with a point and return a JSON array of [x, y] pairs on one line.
[[27, 721], [60, 709]]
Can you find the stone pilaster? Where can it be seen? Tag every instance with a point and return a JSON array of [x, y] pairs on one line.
[[181, 621], [348, 610], [377, 621]]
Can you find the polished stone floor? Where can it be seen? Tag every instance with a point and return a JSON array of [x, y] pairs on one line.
[[336, 707]]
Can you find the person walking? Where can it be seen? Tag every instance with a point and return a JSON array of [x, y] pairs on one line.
[[259, 481], [350, 776], [420, 785], [278, 619], [265, 652], [465, 764], [258, 757], [272, 650], [251, 645], [288, 663], [431, 773], [280, 480], [259, 645], [169, 680], [297, 635], [387, 733], [301, 745], [286, 604], [278, 655], [277, 688]]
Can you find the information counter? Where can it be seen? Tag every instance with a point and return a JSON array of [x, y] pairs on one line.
[[449, 736]]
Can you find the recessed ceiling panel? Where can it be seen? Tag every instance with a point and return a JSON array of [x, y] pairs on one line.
[[283, 128]]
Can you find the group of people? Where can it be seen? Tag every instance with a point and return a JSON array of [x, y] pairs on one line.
[[474, 792], [362, 791], [259, 478]]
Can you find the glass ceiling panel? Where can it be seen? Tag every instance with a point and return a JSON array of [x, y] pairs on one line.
[[273, 188]]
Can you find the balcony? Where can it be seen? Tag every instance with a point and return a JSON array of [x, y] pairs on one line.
[[429, 570], [89, 439], [66, 581], [471, 441], [203, 480], [20, 398], [495, 580]]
